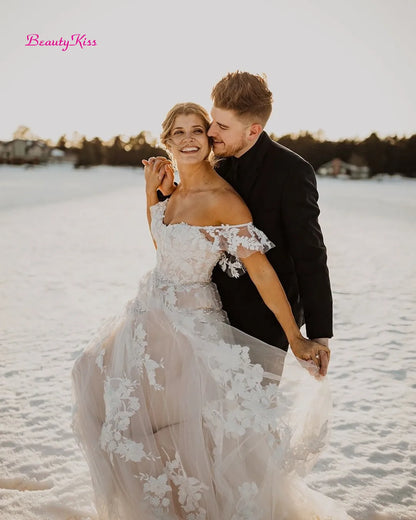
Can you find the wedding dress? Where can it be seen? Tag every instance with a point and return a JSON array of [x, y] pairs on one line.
[[180, 415]]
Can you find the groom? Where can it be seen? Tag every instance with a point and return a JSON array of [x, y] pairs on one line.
[[279, 187]]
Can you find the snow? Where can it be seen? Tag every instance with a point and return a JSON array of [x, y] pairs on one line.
[[73, 245]]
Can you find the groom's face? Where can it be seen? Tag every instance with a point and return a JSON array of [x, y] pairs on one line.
[[229, 134]]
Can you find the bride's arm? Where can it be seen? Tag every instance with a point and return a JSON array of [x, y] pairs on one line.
[[268, 284], [154, 170]]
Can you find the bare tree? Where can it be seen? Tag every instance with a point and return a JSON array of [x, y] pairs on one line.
[[24, 132]]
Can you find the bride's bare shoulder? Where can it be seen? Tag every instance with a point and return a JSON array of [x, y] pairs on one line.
[[229, 207]]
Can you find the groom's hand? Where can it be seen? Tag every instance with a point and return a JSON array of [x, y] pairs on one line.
[[313, 352]]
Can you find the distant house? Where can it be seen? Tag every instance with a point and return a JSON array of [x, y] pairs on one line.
[[338, 168], [5, 151], [57, 155], [23, 151], [60, 156]]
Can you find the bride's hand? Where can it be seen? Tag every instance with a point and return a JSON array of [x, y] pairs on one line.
[[155, 171], [309, 350]]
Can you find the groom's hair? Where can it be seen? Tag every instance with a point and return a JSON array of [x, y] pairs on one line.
[[246, 94]]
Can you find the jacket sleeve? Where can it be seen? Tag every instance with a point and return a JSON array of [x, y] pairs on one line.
[[300, 212]]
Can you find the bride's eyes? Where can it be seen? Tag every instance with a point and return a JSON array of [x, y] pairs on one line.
[[197, 131]]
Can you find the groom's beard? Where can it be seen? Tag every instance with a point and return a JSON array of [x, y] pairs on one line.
[[231, 150]]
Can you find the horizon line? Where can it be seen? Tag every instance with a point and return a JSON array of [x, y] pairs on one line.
[[319, 135]]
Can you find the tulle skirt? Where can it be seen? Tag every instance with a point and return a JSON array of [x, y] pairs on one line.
[[181, 416]]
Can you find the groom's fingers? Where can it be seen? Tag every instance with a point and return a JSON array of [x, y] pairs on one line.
[[159, 167], [323, 355]]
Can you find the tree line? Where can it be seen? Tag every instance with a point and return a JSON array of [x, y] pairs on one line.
[[389, 155], [118, 152]]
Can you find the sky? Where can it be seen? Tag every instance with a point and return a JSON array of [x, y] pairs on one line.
[[345, 69]]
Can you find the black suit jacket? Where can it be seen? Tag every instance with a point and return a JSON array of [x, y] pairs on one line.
[[279, 187]]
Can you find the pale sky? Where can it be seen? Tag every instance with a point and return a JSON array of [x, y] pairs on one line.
[[345, 67]]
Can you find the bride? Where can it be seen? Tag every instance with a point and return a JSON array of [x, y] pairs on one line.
[[180, 415]]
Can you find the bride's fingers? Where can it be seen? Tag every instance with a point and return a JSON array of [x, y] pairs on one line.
[[311, 358], [153, 166], [311, 367], [153, 160], [159, 163]]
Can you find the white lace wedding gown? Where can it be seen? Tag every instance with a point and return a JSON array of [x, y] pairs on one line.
[[181, 416]]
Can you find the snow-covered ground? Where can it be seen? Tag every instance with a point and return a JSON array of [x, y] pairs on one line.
[[73, 245]]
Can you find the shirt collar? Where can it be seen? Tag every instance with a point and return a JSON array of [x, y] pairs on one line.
[[249, 159]]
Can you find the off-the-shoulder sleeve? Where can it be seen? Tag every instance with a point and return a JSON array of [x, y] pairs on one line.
[[236, 243]]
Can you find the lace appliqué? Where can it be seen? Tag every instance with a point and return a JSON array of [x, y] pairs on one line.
[[246, 507], [120, 405], [237, 242], [157, 493], [189, 491], [140, 359], [249, 404]]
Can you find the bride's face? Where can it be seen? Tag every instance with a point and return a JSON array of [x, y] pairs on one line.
[[188, 140]]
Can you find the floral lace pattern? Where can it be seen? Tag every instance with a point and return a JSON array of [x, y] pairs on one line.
[[140, 359], [249, 405], [236, 243], [189, 491], [121, 404], [246, 507], [226, 244], [120, 407], [157, 493]]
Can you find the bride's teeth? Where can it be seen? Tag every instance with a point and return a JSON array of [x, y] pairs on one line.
[[190, 150]]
